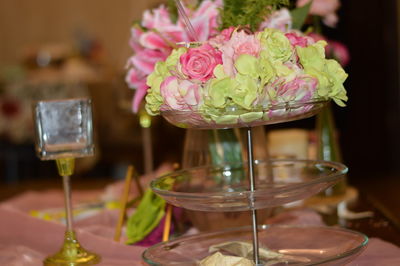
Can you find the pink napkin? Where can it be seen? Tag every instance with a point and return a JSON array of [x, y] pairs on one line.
[[26, 240]]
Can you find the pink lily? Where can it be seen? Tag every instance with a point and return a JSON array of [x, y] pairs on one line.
[[156, 18], [146, 59], [136, 79]]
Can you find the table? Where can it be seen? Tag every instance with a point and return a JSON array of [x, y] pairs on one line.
[[35, 238]]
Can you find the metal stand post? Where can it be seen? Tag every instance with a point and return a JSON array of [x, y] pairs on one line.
[[252, 189]]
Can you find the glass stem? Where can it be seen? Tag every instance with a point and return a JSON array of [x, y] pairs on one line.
[[68, 204], [252, 189]]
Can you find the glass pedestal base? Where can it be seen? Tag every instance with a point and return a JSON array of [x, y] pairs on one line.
[[71, 254]]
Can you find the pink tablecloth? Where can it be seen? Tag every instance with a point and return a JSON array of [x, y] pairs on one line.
[[25, 240]]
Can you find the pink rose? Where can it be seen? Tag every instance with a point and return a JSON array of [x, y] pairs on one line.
[[199, 63], [301, 88], [240, 43], [297, 40], [244, 43], [169, 90], [189, 92], [179, 94], [249, 48]]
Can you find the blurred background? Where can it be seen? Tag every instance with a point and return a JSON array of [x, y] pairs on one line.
[[51, 50], [54, 49]]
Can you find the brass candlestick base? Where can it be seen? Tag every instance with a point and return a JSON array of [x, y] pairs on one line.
[[71, 254]]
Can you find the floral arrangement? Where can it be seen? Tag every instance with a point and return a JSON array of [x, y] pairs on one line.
[[246, 73], [157, 34], [155, 37]]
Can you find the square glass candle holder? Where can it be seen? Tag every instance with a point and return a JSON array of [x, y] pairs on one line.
[[64, 128]]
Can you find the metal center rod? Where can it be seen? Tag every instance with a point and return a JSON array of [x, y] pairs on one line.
[[252, 189]]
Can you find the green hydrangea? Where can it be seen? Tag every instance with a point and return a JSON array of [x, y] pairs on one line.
[[153, 98], [218, 92], [256, 80], [162, 70], [338, 92], [247, 65], [267, 69], [248, 88], [275, 44], [173, 58], [246, 92], [312, 55], [329, 73]]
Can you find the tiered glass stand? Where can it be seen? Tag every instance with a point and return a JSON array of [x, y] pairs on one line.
[[268, 184]]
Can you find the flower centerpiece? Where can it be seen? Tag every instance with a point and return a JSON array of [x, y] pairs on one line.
[[238, 76], [162, 28], [249, 64]]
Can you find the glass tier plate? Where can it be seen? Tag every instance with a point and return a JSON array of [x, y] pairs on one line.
[[226, 187], [235, 117], [297, 245]]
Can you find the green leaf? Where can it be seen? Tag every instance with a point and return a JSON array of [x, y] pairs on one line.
[[299, 15], [173, 10], [146, 217]]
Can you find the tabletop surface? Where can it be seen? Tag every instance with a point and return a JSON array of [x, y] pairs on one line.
[[377, 195], [383, 225]]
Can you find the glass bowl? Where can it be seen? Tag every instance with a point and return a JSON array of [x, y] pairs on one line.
[[226, 187], [298, 245], [237, 117]]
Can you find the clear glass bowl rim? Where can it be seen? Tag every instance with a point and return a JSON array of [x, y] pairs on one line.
[[265, 227], [341, 170], [269, 107], [195, 118]]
